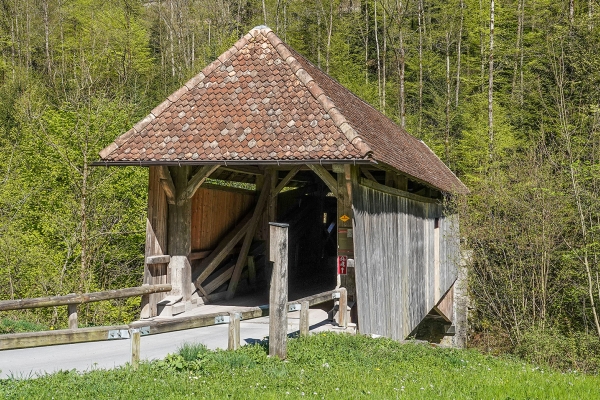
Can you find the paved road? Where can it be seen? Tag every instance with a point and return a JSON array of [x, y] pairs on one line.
[[26, 363]]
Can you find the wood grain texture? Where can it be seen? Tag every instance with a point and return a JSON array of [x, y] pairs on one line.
[[278, 295], [135, 348], [209, 264], [196, 181], [166, 183], [72, 311], [326, 177], [156, 241], [233, 342], [50, 338], [398, 275], [215, 212], [53, 301], [304, 318], [242, 257]]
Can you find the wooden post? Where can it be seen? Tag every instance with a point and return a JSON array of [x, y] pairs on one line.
[[135, 347], [179, 235], [156, 240], [304, 323], [343, 308], [279, 290], [251, 271], [234, 331], [72, 308]]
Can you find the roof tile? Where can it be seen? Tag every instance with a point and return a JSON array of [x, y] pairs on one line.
[[260, 100]]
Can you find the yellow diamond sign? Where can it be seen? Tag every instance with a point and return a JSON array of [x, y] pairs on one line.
[[344, 218]]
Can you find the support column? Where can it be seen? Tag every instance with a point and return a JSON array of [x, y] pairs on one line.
[[180, 235], [345, 235], [156, 241]]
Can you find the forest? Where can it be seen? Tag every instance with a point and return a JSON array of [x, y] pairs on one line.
[[506, 92]]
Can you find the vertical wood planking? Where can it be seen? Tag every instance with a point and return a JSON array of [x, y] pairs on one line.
[[396, 271], [214, 213], [156, 241], [278, 295]]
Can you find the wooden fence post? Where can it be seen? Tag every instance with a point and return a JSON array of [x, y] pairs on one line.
[[72, 309], [278, 295], [304, 323], [234, 331], [342, 308], [135, 347]]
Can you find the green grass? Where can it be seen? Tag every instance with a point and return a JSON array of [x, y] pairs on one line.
[[321, 366], [8, 325]]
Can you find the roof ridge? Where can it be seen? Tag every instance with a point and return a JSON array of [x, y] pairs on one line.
[[307, 80]]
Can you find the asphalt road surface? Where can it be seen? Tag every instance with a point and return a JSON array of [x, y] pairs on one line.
[[32, 362]]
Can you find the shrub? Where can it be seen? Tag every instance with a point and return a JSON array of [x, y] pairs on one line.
[[575, 352]]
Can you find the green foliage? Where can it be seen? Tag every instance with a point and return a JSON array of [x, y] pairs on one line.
[[320, 366], [74, 75], [574, 352]]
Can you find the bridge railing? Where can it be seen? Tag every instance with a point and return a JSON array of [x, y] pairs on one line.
[[150, 327]]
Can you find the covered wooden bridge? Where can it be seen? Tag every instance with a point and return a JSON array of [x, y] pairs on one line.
[[263, 135]]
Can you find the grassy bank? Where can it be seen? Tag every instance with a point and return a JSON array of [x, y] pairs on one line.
[[321, 366]]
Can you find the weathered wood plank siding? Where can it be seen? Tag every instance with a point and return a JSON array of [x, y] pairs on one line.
[[215, 213], [401, 272], [156, 241]]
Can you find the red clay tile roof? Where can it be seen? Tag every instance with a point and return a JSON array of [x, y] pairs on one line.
[[262, 102]]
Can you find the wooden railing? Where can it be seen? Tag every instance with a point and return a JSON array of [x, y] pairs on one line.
[[72, 300], [151, 327]]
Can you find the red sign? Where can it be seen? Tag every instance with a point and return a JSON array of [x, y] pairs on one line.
[[342, 265]]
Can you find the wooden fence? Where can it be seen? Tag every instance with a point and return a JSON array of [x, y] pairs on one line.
[[147, 327]]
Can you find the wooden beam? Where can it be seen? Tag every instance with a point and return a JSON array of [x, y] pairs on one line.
[[198, 255], [445, 307], [39, 302], [251, 271], [167, 184], [368, 174], [63, 336], [197, 181], [244, 170], [285, 180], [242, 257], [219, 280], [210, 263], [326, 177], [164, 259], [396, 192], [214, 186]]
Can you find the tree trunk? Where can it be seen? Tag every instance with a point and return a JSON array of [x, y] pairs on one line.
[[458, 52], [447, 131], [491, 85]]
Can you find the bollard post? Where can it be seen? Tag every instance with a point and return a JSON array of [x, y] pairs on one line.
[[304, 323], [278, 296], [234, 331], [134, 334]]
